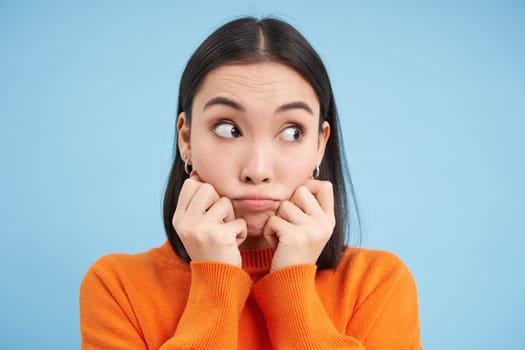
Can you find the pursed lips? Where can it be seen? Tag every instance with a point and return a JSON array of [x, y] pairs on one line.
[[256, 203]]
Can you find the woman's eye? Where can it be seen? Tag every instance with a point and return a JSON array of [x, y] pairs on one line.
[[226, 130], [292, 134]]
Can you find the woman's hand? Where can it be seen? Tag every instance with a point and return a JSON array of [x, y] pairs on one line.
[[302, 226], [206, 224]]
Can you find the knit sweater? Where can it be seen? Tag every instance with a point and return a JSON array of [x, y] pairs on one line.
[[153, 300]]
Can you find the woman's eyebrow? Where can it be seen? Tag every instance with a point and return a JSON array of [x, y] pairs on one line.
[[294, 105], [225, 102], [232, 104]]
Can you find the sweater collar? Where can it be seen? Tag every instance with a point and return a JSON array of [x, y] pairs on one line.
[[257, 261]]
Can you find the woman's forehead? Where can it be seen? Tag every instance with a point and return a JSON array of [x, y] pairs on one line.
[[268, 82]]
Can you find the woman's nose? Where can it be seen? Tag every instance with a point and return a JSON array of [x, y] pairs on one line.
[[258, 165]]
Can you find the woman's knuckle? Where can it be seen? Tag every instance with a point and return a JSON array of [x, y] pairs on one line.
[[207, 188], [302, 190], [285, 205]]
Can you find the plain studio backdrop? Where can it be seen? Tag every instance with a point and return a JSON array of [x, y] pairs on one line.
[[431, 96]]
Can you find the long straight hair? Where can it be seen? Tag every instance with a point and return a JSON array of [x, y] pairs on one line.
[[249, 40]]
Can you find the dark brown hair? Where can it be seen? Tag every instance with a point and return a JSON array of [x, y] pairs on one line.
[[247, 40]]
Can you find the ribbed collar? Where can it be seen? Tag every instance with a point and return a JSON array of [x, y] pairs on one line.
[[257, 261]]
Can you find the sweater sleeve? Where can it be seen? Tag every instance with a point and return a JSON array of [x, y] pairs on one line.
[[294, 313], [387, 314], [210, 318]]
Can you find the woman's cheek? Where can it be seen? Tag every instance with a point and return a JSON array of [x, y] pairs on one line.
[[213, 166], [295, 172]]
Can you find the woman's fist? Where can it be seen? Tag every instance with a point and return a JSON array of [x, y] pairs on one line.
[[302, 226], [206, 224]]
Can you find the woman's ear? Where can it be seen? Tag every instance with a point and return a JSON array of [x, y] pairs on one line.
[[183, 138], [324, 135]]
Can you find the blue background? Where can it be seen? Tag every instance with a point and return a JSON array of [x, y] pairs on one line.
[[432, 100]]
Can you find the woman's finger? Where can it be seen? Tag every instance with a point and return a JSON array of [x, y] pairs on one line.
[[290, 212], [277, 227], [186, 194], [306, 201], [203, 198], [269, 234], [324, 193], [239, 227], [222, 209]]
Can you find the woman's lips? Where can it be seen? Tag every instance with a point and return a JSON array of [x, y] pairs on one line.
[[251, 204]]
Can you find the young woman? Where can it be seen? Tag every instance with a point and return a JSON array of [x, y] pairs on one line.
[[256, 213]]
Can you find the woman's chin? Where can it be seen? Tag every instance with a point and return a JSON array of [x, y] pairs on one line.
[[255, 223]]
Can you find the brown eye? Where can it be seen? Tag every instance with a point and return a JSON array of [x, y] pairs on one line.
[[226, 130], [292, 134]]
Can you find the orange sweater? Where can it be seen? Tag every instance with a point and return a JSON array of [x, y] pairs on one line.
[[153, 300]]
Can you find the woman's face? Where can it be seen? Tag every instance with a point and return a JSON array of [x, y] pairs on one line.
[[254, 136]]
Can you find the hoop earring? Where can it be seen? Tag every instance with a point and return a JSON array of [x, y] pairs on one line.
[[316, 172], [186, 168]]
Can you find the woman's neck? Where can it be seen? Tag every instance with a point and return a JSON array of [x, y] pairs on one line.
[[257, 242]]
